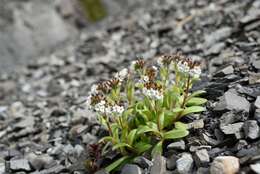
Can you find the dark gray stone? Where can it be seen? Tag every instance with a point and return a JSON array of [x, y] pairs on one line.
[[185, 163], [178, 145], [159, 165], [131, 169], [143, 162], [257, 115], [171, 162], [201, 158], [251, 129], [257, 102]]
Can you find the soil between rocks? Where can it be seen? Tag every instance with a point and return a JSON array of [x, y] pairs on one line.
[[46, 128]]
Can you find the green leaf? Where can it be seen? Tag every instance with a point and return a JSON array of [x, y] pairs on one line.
[[157, 149], [119, 145], [178, 109], [131, 136], [161, 121], [197, 93], [196, 101], [142, 147], [176, 133], [106, 139], [117, 163], [152, 125], [192, 109], [180, 125], [143, 129]]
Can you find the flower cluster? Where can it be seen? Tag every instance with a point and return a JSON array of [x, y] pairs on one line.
[[184, 64]]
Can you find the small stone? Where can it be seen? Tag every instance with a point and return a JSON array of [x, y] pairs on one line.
[[225, 71], [171, 162], [201, 157], [256, 64], [143, 162], [257, 102], [159, 165], [225, 165], [240, 144], [251, 129], [257, 115], [203, 170], [89, 138], [101, 172], [196, 124], [41, 162], [178, 145], [185, 163], [232, 128], [217, 35], [255, 168], [231, 101], [2, 168], [131, 169], [20, 164]]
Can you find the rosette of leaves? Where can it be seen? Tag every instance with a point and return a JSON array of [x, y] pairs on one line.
[[142, 106]]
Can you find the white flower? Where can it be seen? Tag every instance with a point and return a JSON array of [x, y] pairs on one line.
[[121, 75], [94, 90], [183, 67], [133, 63], [195, 72], [144, 79], [116, 109], [153, 93], [155, 68], [160, 61]]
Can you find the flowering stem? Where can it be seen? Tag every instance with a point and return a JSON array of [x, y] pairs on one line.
[[186, 91]]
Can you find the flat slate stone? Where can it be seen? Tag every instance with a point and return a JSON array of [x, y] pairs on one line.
[[232, 101], [20, 165]]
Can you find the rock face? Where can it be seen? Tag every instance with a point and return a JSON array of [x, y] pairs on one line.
[[29, 29], [225, 165]]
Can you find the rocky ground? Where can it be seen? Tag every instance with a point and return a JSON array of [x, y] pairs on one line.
[[44, 124]]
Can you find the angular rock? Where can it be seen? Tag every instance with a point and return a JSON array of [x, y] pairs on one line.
[[257, 102], [143, 162], [101, 172], [217, 35], [255, 168], [20, 165], [251, 129], [201, 158], [159, 165], [131, 169], [232, 128], [171, 162], [179, 145], [225, 71], [225, 165], [39, 162], [256, 64], [231, 101], [185, 163], [203, 170], [257, 115]]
